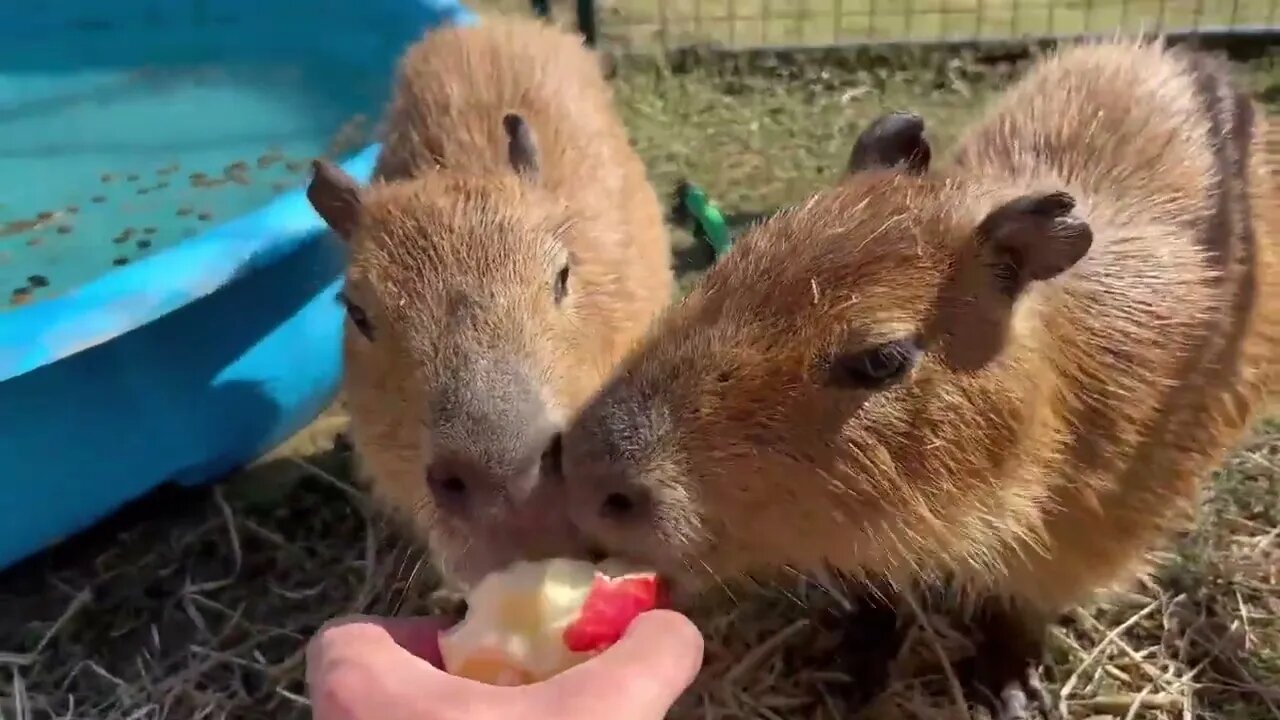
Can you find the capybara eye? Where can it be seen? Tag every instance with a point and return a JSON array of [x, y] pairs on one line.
[[357, 316], [874, 367], [561, 287]]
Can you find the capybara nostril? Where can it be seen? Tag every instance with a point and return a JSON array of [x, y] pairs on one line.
[[624, 506], [451, 483]]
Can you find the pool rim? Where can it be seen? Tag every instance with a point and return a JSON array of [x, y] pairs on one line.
[[125, 298]]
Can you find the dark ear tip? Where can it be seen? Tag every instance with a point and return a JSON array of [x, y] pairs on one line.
[[909, 119], [1076, 227], [1055, 204], [512, 122], [898, 123]]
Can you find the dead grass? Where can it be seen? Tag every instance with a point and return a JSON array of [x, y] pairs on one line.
[[198, 605]]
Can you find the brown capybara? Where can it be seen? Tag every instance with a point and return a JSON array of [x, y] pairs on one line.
[[1010, 373], [507, 253]]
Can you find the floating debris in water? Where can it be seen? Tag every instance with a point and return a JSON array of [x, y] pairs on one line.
[[16, 227], [120, 261], [202, 180], [98, 199], [144, 244], [123, 237], [106, 177], [294, 166], [143, 191], [204, 217], [20, 296], [63, 229], [269, 158], [34, 241], [148, 231], [161, 185], [237, 172], [280, 186], [72, 210], [185, 211], [168, 169], [37, 281], [349, 135], [131, 178]]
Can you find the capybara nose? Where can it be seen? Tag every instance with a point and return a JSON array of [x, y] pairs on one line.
[[453, 480], [608, 502], [466, 486]]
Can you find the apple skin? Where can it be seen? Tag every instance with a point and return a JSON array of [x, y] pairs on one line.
[[611, 605]]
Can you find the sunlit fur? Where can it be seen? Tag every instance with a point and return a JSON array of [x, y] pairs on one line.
[[1040, 448], [455, 256]]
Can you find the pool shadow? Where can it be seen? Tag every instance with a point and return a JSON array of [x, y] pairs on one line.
[[139, 408], [172, 502], [85, 53], [77, 35]]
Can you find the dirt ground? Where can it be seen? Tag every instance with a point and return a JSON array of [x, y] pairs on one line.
[[196, 604]]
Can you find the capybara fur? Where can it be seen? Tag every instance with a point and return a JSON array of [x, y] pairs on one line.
[[507, 253], [1010, 373]]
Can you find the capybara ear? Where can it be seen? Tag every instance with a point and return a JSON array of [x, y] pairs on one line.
[[892, 140], [522, 149], [335, 195], [1034, 237]]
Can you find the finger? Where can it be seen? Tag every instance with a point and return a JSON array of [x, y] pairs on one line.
[[419, 636], [653, 663], [371, 667]]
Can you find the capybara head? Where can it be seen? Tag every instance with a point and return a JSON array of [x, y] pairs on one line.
[[465, 348], [831, 381]]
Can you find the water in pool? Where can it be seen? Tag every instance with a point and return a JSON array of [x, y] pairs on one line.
[[126, 149]]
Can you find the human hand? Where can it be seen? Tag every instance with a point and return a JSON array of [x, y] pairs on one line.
[[367, 668]]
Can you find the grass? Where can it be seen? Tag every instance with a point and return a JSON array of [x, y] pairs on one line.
[[642, 24], [197, 605]]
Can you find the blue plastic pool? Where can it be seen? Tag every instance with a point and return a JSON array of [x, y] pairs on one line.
[[167, 304]]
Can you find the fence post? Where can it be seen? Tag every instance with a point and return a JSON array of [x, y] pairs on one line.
[[587, 20]]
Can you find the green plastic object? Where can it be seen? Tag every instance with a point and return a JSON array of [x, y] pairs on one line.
[[708, 218]]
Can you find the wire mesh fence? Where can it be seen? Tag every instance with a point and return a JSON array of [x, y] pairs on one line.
[[743, 24]]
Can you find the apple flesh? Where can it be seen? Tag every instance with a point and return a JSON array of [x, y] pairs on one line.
[[532, 621]]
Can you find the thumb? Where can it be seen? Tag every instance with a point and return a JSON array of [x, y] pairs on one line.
[[654, 662]]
